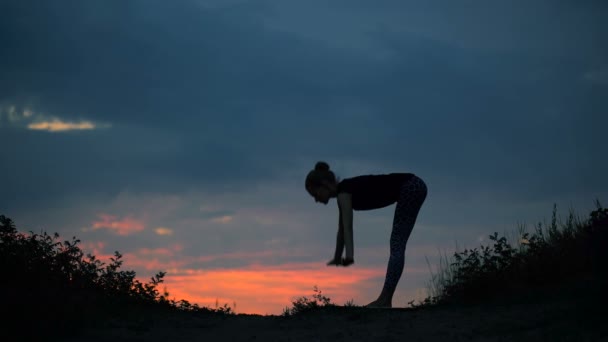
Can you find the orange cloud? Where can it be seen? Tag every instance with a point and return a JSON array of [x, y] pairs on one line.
[[251, 256], [43, 121], [267, 289], [163, 231], [57, 125], [152, 259], [157, 259], [126, 226], [257, 288], [94, 248], [155, 252], [167, 258], [223, 219], [97, 249]]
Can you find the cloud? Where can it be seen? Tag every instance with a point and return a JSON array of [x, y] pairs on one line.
[[123, 227], [56, 125], [163, 231], [543, 28], [222, 219], [165, 252], [13, 115], [434, 106], [29, 119], [263, 289], [93, 247]]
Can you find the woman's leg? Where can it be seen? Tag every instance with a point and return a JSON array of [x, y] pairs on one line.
[[413, 193]]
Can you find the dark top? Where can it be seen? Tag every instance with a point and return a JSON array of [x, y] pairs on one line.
[[374, 191]]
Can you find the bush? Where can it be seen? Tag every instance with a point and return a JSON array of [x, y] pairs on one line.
[[53, 286], [550, 256], [305, 304]]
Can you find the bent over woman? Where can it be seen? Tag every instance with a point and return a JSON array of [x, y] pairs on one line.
[[369, 192]]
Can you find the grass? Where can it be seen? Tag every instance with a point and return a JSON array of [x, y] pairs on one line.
[[536, 263], [52, 285]]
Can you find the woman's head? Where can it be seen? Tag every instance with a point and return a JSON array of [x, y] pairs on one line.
[[320, 182]]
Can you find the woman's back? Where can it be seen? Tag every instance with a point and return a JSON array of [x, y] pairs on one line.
[[374, 191]]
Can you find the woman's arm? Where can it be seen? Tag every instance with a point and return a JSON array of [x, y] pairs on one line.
[[339, 238], [346, 214]]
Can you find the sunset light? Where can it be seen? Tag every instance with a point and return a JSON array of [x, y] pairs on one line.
[[61, 126]]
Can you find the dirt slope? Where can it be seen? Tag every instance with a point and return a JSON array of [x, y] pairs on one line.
[[564, 318]]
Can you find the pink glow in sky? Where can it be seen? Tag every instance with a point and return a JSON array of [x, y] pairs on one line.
[[266, 289], [124, 226], [255, 288]]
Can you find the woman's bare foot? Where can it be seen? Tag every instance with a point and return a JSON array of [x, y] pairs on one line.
[[379, 304]]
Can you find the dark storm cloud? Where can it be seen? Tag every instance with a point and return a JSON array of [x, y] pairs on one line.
[[151, 63], [485, 116], [218, 98], [185, 92]]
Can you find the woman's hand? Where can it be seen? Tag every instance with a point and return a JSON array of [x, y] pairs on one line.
[[347, 261], [335, 262], [341, 262]]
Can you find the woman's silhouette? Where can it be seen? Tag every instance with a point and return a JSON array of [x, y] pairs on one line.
[[365, 193]]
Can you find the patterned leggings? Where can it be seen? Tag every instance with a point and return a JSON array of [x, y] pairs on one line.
[[411, 197]]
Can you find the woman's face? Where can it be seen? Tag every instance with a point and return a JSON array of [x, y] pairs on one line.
[[320, 194]]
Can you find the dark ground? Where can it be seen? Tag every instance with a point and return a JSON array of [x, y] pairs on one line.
[[573, 314]]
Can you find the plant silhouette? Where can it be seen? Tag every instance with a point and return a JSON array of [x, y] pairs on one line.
[[51, 288], [555, 254], [52, 284]]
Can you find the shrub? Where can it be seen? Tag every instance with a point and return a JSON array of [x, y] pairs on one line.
[[305, 304], [51, 284], [555, 253]]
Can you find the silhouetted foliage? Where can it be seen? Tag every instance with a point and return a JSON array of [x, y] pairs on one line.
[[550, 256], [54, 286], [51, 288], [306, 304]]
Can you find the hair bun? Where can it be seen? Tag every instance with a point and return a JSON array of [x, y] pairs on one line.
[[322, 166]]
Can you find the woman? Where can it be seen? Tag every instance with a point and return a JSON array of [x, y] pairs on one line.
[[365, 193]]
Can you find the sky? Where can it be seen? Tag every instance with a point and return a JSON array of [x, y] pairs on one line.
[[179, 133]]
